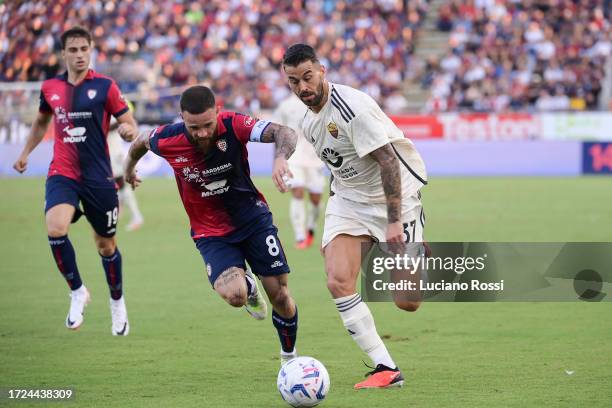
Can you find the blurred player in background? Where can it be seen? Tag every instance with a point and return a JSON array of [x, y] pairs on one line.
[[377, 175], [231, 223], [307, 170], [125, 193], [81, 101]]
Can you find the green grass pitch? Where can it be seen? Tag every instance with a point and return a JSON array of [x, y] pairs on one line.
[[187, 348]]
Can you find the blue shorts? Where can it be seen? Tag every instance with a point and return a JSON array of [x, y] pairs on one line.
[[257, 244], [100, 204]]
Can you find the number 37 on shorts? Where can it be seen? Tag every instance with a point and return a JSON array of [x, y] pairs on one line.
[[413, 229]]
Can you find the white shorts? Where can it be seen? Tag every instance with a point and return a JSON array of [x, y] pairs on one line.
[[343, 216], [310, 178]]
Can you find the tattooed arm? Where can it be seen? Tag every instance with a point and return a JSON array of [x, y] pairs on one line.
[[285, 140], [283, 137], [392, 185]]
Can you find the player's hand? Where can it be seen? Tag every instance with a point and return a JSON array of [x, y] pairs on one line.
[[395, 237], [281, 174], [132, 179], [127, 132], [21, 164]]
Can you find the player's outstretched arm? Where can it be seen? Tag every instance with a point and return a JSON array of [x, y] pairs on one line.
[[128, 128], [285, 140], [37, 132], [392, 186], [283, 137], [139, 148]]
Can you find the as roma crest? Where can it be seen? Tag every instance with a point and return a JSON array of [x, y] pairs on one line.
[[333, 129], [222, 145], [91, 93]]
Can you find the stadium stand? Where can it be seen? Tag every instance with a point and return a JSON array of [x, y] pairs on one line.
[[536, 55], [151, 46]]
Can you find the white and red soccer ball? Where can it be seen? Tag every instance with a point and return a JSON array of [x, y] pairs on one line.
[[303, 382]]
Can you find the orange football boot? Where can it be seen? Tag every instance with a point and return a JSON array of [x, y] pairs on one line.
[[309, 238], [382, 377]]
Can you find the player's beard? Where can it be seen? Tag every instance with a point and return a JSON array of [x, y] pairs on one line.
[[202, 143], [316, 101]]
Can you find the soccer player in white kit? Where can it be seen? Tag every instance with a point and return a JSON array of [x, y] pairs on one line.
[[125, 192], [377, 174], [307, 170]]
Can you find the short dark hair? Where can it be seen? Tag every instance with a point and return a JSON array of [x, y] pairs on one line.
[[76, 31], [197, 99], [298, 53]]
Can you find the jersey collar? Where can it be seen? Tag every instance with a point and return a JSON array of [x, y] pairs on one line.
[[221, 129], [90, 75]]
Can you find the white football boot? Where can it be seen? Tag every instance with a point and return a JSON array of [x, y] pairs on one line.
[[78, 300], [120, 326], [256, 304], [286, 357]]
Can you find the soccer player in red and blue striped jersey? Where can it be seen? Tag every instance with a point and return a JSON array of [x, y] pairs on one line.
[[81, 102], [231, 223]]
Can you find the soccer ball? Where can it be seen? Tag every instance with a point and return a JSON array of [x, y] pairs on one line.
[[303, 382]]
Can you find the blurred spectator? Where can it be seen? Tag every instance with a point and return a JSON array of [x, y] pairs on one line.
[[544, 55], [235, 46]]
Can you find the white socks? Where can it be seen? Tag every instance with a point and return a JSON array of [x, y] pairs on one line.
[[298, 218], [359, 322], [297, 212], [129, 198], [313, 216]]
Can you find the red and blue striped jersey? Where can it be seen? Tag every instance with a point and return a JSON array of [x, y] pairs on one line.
[[215, 187], [81, 118]]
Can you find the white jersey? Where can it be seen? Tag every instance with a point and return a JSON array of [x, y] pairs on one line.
[[349, 127], [290, 113], [117, 155]]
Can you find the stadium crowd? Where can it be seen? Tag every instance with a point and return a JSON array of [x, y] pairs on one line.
[[544, 55], [234, 45]]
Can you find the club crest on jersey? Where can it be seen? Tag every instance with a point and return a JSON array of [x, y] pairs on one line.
[[333, 129], [92, 93], [222, 145]]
